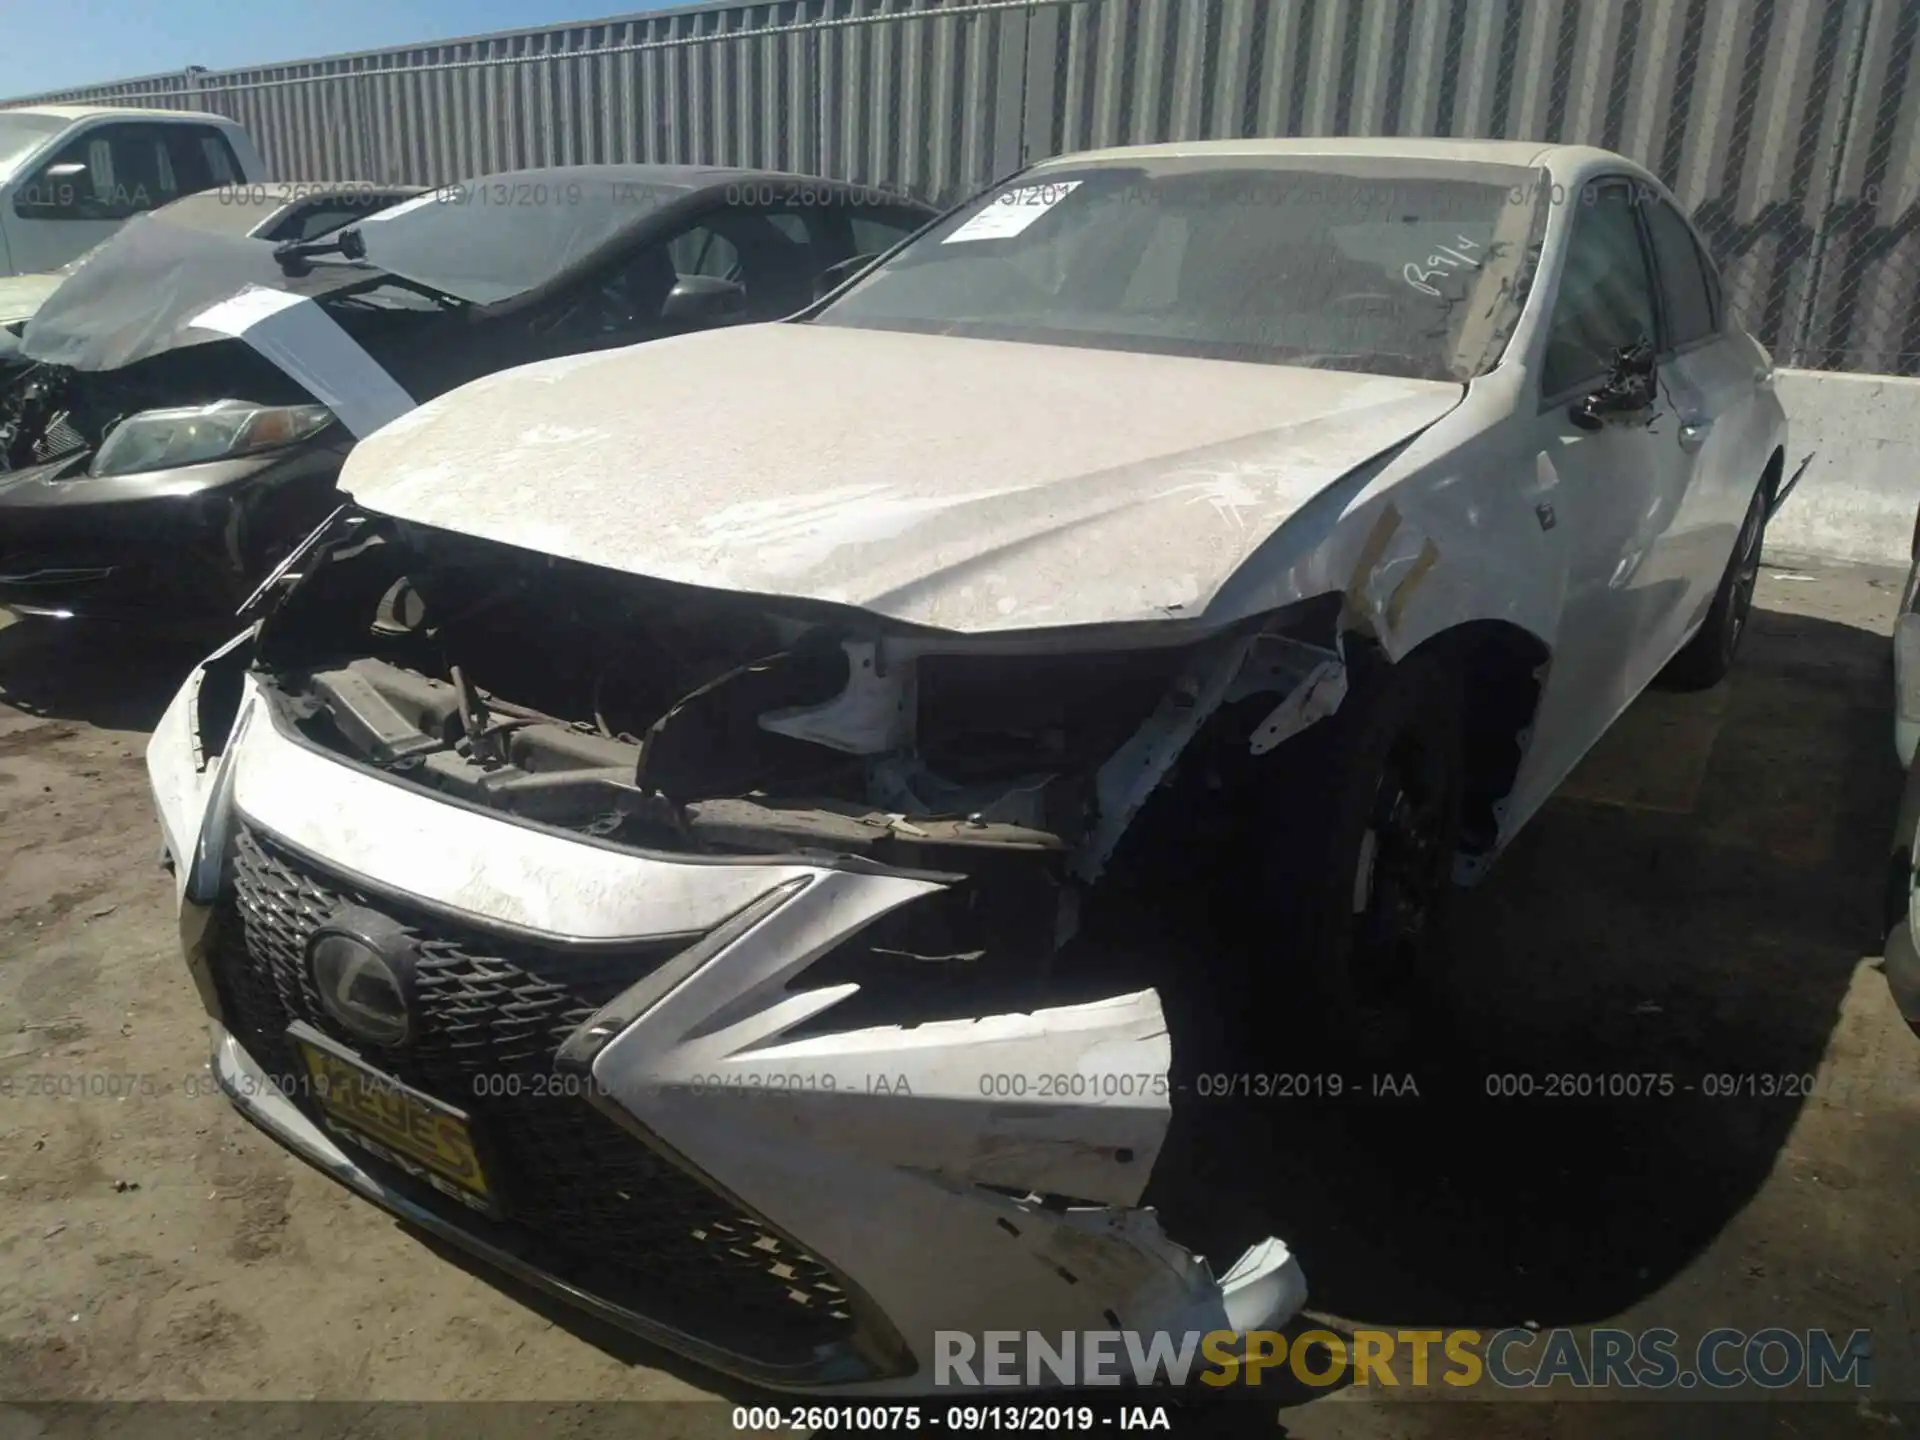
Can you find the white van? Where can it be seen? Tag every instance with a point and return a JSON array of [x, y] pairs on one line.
[[71, 174]]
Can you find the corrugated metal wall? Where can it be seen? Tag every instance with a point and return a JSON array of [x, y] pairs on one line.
[[925, 94], [1788, 126]]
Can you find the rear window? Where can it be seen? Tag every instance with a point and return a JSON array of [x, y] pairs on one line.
[[201, 157]]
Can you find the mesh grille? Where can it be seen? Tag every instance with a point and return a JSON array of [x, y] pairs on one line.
[[587, 1201], [59, 438]]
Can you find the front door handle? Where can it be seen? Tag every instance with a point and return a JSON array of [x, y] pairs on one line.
[[1693, 434]]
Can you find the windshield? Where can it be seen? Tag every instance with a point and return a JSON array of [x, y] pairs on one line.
[[20, 132], [1392, 267], [488, 240]]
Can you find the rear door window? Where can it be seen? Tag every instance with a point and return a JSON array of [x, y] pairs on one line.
[[200, 157], [1685, 292]]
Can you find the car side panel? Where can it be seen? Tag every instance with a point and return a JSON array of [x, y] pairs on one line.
[[1471, 529], [1728, 384], [1426, 536], [1475, 521]]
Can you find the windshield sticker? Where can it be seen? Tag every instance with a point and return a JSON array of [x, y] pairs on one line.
[[1443, 262], [1013, 212], [303, 341]]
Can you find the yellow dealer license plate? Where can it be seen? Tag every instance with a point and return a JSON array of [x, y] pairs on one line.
[[427, 1138]]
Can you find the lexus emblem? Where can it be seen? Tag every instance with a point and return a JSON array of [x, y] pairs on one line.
[[362, 966]]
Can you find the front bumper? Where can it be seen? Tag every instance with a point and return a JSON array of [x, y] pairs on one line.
[[179, 544], [918, 1173]]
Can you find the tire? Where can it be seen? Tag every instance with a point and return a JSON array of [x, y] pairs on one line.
[[1363, 815], [1705, 659], [1898, 881]]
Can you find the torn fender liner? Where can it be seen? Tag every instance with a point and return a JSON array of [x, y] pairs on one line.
[[1133, 771], [1308, 703], [303, 340]]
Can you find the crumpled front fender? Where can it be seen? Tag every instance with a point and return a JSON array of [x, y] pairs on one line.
[[188, 767], [966, 1175], [958, 1176]]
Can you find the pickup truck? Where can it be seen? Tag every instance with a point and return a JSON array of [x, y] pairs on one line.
[[70, 175]]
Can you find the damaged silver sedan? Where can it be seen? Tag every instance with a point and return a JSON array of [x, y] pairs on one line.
[[655, 848]]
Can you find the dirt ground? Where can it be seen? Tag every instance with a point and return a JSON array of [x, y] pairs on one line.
[[1702, 899]]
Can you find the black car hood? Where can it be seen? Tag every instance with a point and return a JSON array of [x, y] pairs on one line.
[[137, 295]]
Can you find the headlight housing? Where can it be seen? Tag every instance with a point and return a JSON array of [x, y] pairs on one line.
[[190, 435]]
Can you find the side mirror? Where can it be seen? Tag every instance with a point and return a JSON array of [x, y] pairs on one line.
[[836, 275], [704, 300], [59, 192], [1630, 388]]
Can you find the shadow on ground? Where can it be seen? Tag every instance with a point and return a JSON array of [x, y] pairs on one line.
[[1709, 927], [114, 678]]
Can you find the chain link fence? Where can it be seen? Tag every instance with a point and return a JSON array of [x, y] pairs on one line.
[[1788, 127]]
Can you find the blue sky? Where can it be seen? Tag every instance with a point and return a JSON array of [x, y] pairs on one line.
[[60, 44]]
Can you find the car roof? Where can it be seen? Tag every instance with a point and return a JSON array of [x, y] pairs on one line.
[[238, 209], [131, 112], [277, 194], [1531, 154], [689, 178]]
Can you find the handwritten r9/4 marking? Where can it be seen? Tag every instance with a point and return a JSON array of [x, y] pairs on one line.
[[1444, 261]]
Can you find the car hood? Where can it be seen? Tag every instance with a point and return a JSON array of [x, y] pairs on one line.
[[967, 485], [20, 296], [137, 293]]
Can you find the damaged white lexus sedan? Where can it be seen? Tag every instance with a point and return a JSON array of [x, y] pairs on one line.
[[650, 836]]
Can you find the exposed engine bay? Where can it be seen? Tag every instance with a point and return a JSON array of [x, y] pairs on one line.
[[646, 714], [643, 712]]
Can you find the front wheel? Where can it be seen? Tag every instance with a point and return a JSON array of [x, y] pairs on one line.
[[1364, 820], [1705, 659]]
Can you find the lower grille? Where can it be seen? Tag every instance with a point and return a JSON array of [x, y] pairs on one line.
[[59, 438], [588, 1202]]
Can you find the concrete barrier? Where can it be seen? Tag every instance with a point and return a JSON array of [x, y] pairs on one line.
[[1857, 499]]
